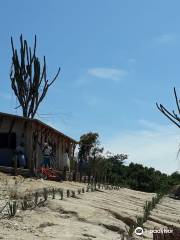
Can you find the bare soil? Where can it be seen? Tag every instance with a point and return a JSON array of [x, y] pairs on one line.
[[100, 215]]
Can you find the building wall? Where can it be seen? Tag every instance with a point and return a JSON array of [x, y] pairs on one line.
[[34, 135], [19, 128], [58, 143]]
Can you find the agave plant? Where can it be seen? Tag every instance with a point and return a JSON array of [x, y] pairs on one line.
[[24, 203], [12, 208], [61, 193], [130, 230], [73, 193], [68, 193], [45, 194], [53, 193], [139, 221], [36, 197]]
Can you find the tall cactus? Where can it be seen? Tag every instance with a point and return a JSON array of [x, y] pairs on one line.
[[28, 78]]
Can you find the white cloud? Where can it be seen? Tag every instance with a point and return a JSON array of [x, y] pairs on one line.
[[108, 73], [167, 38], [152, 145]]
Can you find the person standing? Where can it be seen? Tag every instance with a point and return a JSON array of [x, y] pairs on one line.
[[47, 152], [66, 160], [20, 152]]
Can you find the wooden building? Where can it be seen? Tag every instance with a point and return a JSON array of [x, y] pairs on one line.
[[33, 134]]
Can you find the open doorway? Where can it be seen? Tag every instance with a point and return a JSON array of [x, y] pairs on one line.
[[7, 148]]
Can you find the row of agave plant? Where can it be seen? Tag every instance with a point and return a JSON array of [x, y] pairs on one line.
[[140, 220], [38, 198]]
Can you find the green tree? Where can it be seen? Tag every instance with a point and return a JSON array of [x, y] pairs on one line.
[[89, 152]]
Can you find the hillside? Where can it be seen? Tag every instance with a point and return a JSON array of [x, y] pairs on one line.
[[101, 214]]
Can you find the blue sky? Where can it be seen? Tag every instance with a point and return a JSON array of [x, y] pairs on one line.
[[117, 59]]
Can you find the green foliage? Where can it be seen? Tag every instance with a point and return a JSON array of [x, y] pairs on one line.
[[110, 169], [138, 177], [175, 178], [88, 142]]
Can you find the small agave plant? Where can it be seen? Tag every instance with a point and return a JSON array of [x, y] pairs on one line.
[[24, 204], [36, 197], [12, 208], [53, 193], [68, 193], [45, 194], [73, 193], [61, 193]]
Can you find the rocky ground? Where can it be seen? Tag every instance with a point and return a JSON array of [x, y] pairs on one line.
[[101, 215]]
